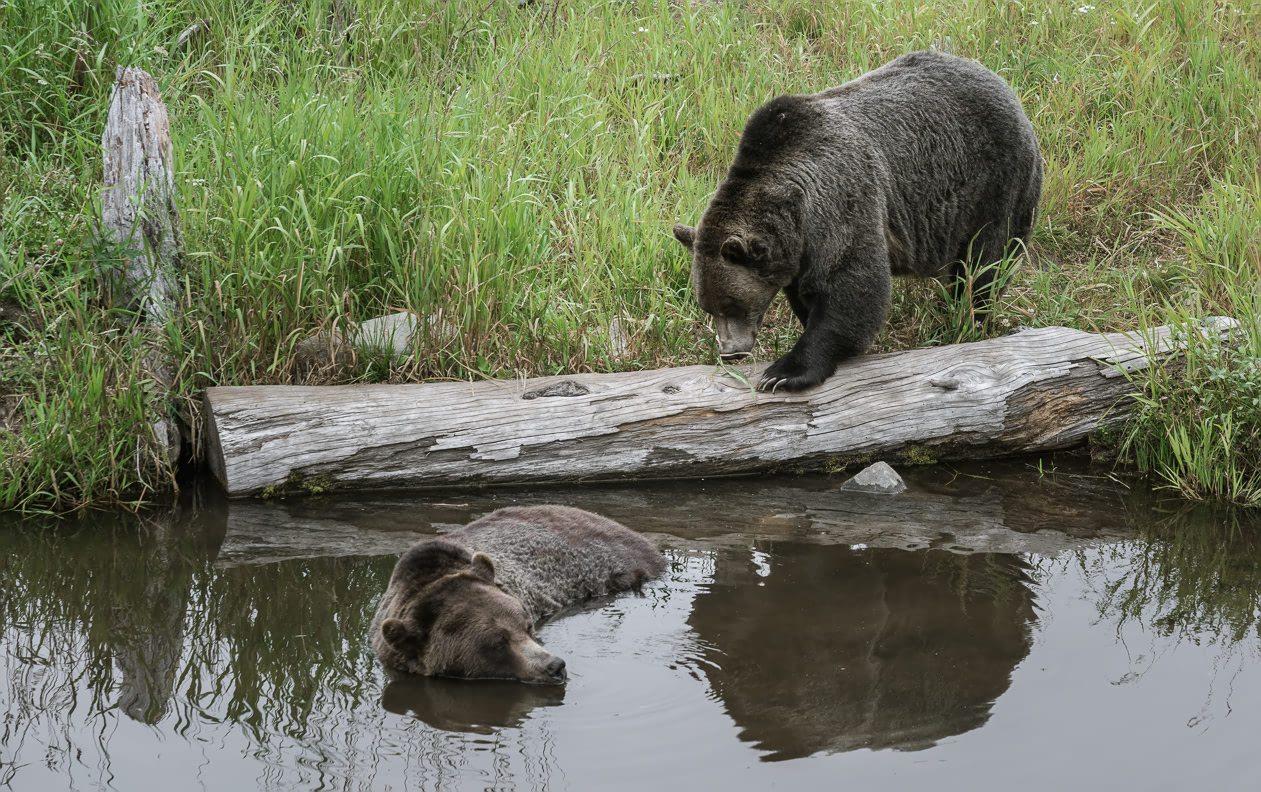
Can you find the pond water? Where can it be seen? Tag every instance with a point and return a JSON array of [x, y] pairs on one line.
[[994, 627]]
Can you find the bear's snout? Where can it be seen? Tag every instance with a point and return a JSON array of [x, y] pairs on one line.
[[547, 670], [541, 666], [735, 338], [556, 670]]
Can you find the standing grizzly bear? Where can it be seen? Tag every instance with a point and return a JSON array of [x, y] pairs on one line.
[[925, 166], [466, 604]]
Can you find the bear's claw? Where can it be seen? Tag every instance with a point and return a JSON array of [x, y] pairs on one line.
[[788, 375], [769, 384], [788, 384]]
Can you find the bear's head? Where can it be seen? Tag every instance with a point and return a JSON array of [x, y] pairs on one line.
[[449, 618], [738, 267]]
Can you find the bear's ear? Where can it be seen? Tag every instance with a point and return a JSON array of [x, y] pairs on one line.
[[751, 252], [735, 251], [686, 235], [758, 249], [482, 567], [396, 634], [428, 561]]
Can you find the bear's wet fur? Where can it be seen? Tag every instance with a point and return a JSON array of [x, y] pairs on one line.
[[466, 604], [925, 166]]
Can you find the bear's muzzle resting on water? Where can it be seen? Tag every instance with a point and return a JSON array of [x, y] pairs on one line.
[[466, 604]]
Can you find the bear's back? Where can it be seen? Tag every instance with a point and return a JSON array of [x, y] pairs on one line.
[[926, 92], [888, 111], [551, 557]]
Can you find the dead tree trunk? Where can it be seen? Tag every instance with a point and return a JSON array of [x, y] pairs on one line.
[[141, 244], [140, 221], [1035, 391]]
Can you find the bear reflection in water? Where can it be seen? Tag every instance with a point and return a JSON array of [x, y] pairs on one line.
[[815, 648], [456, 705]]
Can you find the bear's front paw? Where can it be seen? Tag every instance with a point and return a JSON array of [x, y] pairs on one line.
[[788, 374]]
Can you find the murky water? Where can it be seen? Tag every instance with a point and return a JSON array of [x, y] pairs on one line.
[[989, 629]]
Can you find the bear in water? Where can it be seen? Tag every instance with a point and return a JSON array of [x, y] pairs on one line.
[[926, 166], [466, 604]]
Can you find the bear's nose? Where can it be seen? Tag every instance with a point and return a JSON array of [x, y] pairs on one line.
[[556, 669]]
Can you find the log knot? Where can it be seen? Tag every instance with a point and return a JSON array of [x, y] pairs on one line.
[[562, 388]]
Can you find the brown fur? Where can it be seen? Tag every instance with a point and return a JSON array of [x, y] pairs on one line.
[[466, 604], [926, 166]]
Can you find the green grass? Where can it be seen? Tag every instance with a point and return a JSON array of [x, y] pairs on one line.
[[516, 172], [1198, 425]]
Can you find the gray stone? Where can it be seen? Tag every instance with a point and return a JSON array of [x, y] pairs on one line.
[[390, 336], [878, 478], [386, 335]]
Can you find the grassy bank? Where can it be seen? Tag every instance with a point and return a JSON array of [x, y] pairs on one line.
[[516, 171]]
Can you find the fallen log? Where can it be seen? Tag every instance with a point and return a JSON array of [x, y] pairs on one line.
[[1034, 391]]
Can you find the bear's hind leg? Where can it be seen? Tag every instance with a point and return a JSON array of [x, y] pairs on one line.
[[983, 269]]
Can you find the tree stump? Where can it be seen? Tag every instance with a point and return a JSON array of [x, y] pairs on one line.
[[140, 222], [141, 241]]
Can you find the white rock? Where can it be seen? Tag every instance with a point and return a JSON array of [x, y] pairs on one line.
[[878, 478], [390, 334]]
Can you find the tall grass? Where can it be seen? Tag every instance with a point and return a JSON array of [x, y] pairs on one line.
[[513, 173], [1198, 425]]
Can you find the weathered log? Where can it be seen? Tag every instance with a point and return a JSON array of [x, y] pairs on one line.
[[141, 245], [1035, 391]]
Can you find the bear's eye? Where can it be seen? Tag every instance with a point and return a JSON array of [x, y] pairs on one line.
[[496, 652]]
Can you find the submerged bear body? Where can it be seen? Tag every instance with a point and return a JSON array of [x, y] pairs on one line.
[[465, 604], [926, 166]]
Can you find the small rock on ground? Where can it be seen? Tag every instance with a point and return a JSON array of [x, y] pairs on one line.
[[878, 478]]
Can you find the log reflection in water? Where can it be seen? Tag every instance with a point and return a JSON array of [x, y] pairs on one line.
[[823, 648], [1002, 509]]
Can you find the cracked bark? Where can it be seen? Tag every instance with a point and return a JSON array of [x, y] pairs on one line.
[[1039, 390]]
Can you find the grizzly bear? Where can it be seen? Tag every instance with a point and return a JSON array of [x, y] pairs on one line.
[[466, 604], [925, 166]]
